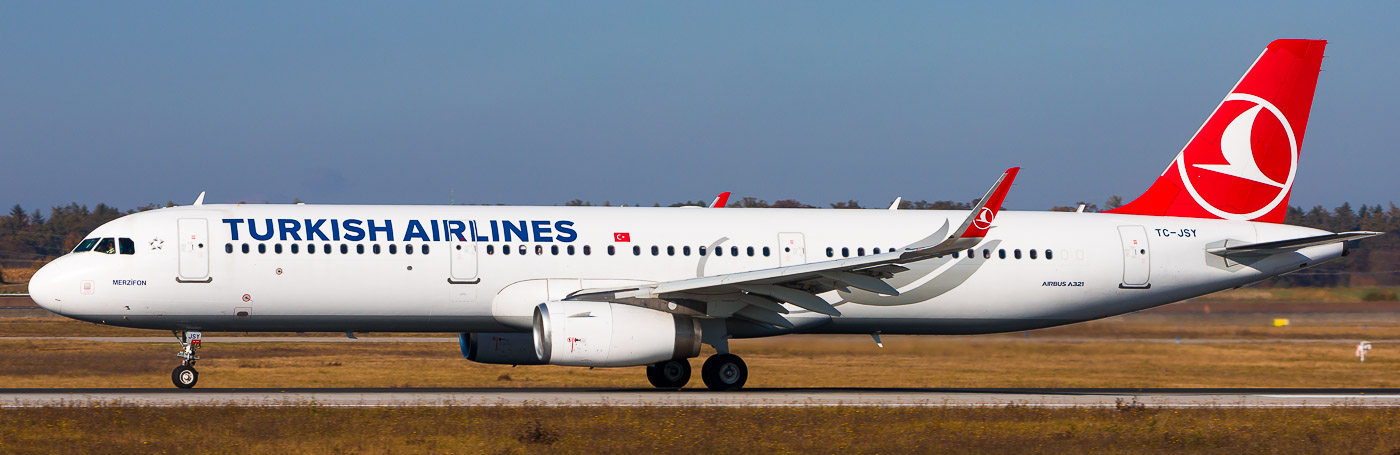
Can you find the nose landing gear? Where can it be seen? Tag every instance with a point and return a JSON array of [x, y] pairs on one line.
[[185, 376]]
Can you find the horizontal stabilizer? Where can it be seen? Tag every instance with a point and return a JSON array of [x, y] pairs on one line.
[[1294, 244]]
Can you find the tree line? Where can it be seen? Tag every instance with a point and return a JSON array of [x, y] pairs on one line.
[[32, 238]]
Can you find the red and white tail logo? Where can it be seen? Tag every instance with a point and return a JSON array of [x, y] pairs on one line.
[[1242, 163]]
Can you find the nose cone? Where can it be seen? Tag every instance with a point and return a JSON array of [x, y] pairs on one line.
[[45, 286]]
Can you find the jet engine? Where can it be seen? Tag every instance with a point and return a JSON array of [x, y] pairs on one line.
[[605, 334], [500, 348]]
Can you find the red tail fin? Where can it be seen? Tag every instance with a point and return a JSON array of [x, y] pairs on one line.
[[1241, 164]]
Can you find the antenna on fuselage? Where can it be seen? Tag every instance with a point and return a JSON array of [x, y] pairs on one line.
[[199, 200]]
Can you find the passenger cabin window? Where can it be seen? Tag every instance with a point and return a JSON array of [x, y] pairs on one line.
[[670, 251], [719, 251], [408, 249], [636, 250], [986, 254], [505, 249], [85, 245], [375, 249], [766, 251], [734, 251], [245, 248], [523, 250], [326, 248], [425, 248], [311, 248], [1032, 254], [1001, 254], [587, 250], [685, 250], [490, 249], [262, 248], [344, 249], [1049, 255], [860, 251], [277, 248], [553, 249], [359, 249], [830, 252], [845, 252], [228, 248], [702, 251], [655, 251], [296, 248], [612, 250], [570, 250], [750, 251], [394, 249]]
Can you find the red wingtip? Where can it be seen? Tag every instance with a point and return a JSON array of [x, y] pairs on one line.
[[720, 200], [982, 221]]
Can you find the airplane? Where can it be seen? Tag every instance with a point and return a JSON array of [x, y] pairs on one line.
[[642, 286]]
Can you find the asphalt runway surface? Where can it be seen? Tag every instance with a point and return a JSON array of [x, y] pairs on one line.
[[788, 397]]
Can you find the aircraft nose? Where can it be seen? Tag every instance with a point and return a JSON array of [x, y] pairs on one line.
[[44, 287]]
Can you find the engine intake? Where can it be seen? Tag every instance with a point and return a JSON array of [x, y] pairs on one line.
[[605, 334]]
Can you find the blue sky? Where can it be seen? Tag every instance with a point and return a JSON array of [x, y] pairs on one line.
[[404, 103]]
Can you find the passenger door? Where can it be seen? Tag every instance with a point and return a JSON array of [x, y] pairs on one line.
[[1137, 263], [194, 250]]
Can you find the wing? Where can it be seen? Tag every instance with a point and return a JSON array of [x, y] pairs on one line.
[[756, 295]]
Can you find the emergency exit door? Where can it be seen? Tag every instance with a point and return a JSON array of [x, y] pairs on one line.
[[462, 250], [792, 249], [1137, 262], [194, 250]]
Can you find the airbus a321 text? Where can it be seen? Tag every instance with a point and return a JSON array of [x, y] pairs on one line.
[[623, 287]]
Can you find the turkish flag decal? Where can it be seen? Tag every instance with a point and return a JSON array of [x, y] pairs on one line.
[[622, 237]]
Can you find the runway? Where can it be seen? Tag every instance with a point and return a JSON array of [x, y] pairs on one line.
[[861, 397]]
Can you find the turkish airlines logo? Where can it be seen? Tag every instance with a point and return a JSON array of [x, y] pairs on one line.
[[1248, 174], [984, 219]]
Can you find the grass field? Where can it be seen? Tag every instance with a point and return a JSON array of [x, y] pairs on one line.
[[1128, 429], [795, 361]]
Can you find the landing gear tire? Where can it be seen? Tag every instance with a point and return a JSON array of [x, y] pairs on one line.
[[724, 372], [184, 376], [669, 374]]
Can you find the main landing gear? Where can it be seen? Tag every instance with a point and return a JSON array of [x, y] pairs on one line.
[[185, 376], [720, 372]]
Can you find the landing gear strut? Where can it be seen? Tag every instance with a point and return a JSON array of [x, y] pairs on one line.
[[724, 372], [185, 376], [669, 374]]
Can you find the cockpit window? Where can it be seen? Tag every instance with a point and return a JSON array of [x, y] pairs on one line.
[[86, 245], [126, 246], [106, 246]]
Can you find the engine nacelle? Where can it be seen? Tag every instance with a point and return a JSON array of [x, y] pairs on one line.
[[603, 334], [500, 348]]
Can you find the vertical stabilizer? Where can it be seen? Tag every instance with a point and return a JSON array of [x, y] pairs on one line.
[[1242, 162]]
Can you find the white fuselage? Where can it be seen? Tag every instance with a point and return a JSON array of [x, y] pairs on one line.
[[182, 275]]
